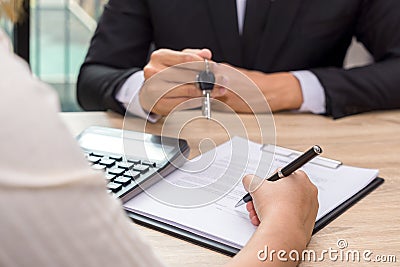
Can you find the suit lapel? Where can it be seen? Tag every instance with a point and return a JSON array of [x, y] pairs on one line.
[[281, 16], [225, 24]]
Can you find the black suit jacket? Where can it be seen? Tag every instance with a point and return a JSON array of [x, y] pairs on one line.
[[295, 35]]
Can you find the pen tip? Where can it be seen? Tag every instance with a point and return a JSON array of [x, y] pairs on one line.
[[240, 203]]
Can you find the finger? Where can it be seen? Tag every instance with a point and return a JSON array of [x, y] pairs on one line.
[[179, 74], [221, 80], [197, 65], [169, 57], [255, 221], [175, 79], [167, 96], [218, 91], [185, 90], [251, 182], [246, 181], [192, 90], [252, 214], [165, 105], [204, 53], [249, 206]]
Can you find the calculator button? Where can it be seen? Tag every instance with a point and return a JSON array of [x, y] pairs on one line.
[[96, 154], [132, 174], [125, 165], [99, 167], [122, 180], [135, 161], [140, 168], [93, 159], [149, 163], [110, 177], [107, 162], [117, 158], [114, 187], [116, 171]]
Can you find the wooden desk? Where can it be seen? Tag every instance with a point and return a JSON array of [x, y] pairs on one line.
[[368, 140]]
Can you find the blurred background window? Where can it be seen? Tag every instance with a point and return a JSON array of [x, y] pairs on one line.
[[60, 32]]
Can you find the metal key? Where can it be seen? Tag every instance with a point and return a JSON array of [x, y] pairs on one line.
[[205, 80]]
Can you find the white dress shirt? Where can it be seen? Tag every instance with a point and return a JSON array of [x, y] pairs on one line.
[[54, 208], [312, 90]]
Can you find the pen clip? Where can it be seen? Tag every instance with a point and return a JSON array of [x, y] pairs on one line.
[[289, 153]]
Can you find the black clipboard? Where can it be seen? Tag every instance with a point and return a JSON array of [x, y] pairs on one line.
[[231, 251]]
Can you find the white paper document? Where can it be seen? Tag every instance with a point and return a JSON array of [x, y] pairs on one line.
[[219, 220]]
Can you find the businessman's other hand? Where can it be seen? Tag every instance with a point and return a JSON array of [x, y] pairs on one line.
[[167, 84], [282, 91], [289, 205]]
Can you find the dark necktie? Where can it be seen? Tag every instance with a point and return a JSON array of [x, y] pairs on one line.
[[253, 28]]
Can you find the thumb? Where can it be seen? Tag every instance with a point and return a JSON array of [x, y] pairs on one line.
[[251, 182], [205, 53]]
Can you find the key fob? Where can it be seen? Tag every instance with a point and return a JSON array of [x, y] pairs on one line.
[[206, 80]]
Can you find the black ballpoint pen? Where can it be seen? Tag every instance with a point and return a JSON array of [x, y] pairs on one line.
[[288, 169]]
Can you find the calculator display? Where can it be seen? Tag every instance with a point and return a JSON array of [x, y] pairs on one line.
[[118, 145]]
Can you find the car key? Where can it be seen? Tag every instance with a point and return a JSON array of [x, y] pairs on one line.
[[205, 81]]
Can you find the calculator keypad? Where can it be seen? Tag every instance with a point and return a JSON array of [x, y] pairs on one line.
[[120, 175]]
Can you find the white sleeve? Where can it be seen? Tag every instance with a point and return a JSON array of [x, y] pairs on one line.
[[54, 208], [128, 95], [313, 92]]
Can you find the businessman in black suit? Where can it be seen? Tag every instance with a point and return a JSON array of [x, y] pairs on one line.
[[292, 49]]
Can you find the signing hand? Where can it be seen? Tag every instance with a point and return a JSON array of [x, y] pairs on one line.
[[292, 200], [285, 212]]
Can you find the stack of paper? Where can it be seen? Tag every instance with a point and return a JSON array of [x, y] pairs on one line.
[[220, 220]]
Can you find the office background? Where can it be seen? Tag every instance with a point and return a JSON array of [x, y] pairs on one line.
[[59, 36]]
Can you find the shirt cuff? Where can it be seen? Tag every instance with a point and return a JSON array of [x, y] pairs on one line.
[[128, 96], [313, 92]]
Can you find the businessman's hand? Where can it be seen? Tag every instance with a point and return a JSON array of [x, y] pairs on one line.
[[167, 86], [291, 202], [281, 90]]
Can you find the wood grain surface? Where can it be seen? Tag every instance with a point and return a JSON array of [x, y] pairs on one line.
[[369, 140]]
